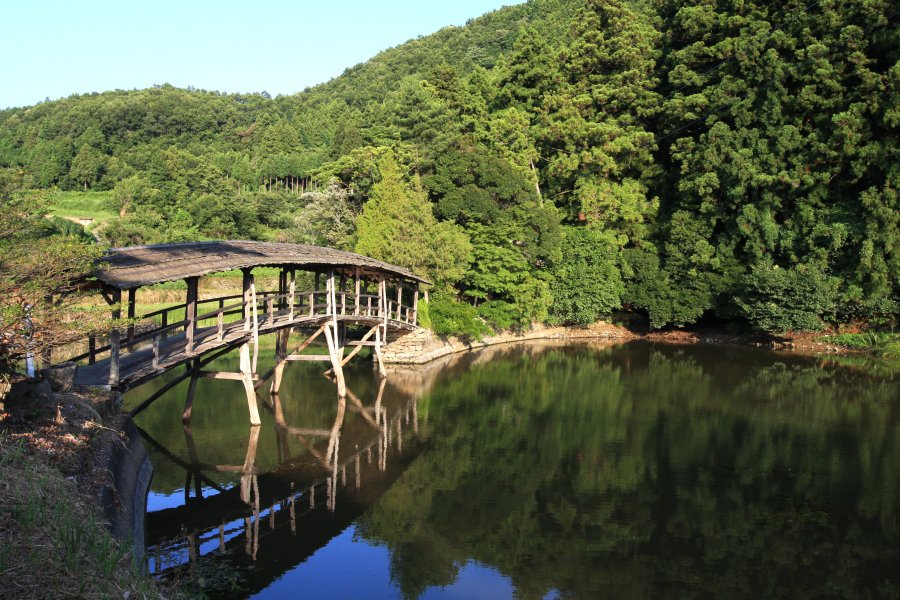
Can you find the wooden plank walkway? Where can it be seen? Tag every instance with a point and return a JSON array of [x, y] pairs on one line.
[[138, 366]]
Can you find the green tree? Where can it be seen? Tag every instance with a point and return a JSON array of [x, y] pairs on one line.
[[587, 281], [87, 166], [328, 218], [397, 226], [38, 280]]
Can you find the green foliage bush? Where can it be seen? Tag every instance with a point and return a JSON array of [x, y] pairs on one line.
[[500, 315], [423, 316], [801, 298], [450, 317], [587, 280]]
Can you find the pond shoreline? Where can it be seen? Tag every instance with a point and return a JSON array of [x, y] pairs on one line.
[[423, 347]]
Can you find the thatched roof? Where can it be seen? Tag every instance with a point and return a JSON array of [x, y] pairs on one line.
[[127, 268]]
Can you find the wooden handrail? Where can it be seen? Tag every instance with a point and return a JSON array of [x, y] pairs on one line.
[[232, 308], [363, 304]]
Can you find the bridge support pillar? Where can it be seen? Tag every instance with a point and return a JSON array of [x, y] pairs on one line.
[[247, 379], [336, 353], [281, 344], [379, 357]]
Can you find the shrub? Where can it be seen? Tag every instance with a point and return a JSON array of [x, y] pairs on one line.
[[801, 298], [449, 317], [500, 314]]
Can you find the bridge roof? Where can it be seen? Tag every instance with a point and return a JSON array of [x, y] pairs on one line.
[[127, 268]]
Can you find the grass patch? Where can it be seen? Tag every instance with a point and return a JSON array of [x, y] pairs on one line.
[[883, 344], [78, 205], [51, 543]]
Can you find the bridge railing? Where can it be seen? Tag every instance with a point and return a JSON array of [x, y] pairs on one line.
[[154, 327]]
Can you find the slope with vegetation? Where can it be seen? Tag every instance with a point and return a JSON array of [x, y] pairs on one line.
[[554, 161]]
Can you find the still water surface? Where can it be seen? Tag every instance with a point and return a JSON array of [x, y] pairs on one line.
[[536, 471]]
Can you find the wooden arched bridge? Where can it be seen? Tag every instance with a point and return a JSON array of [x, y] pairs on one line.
[[354, 301]]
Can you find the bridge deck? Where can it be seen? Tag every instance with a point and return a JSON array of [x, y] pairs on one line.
[[138, 366]]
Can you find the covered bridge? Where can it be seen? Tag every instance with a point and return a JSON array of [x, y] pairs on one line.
[[378, 299]]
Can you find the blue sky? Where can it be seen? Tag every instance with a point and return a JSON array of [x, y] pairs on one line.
[[52, 49]]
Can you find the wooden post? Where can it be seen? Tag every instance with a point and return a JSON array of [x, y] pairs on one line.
[[384, 301], [255, 318], [92, 349], [356, 292], [281, 343], [415, 318], [329, 291], [399, 301], [131, 302], [190, 314], [292, 288], [247, 378], [114, 349], [245, 307], [155, 352]]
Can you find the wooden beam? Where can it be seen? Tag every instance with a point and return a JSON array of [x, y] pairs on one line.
[[307, 431], [359, 346], [303, 346], [221, 375], [307, 357]]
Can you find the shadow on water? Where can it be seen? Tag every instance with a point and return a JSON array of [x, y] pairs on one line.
[[539, 470]]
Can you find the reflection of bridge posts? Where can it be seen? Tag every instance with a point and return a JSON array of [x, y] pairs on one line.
[[248, 470], [194, 472], [230, 520]]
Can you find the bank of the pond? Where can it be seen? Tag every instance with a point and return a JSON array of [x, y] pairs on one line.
[[424, 346], [58, 454]]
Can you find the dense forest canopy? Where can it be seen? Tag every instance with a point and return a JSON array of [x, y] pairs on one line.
[[557, 161]]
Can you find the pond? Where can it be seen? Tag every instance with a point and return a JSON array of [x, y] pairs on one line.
[[536, 471]]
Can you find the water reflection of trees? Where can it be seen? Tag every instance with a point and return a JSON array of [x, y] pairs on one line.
[[643, 471]]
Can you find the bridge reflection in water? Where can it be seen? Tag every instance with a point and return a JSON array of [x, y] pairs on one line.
[[326, 473]]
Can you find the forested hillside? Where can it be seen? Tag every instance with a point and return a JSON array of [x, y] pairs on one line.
[[554, 161]]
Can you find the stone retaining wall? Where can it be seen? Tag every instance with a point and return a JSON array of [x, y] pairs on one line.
[[423, 346]]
